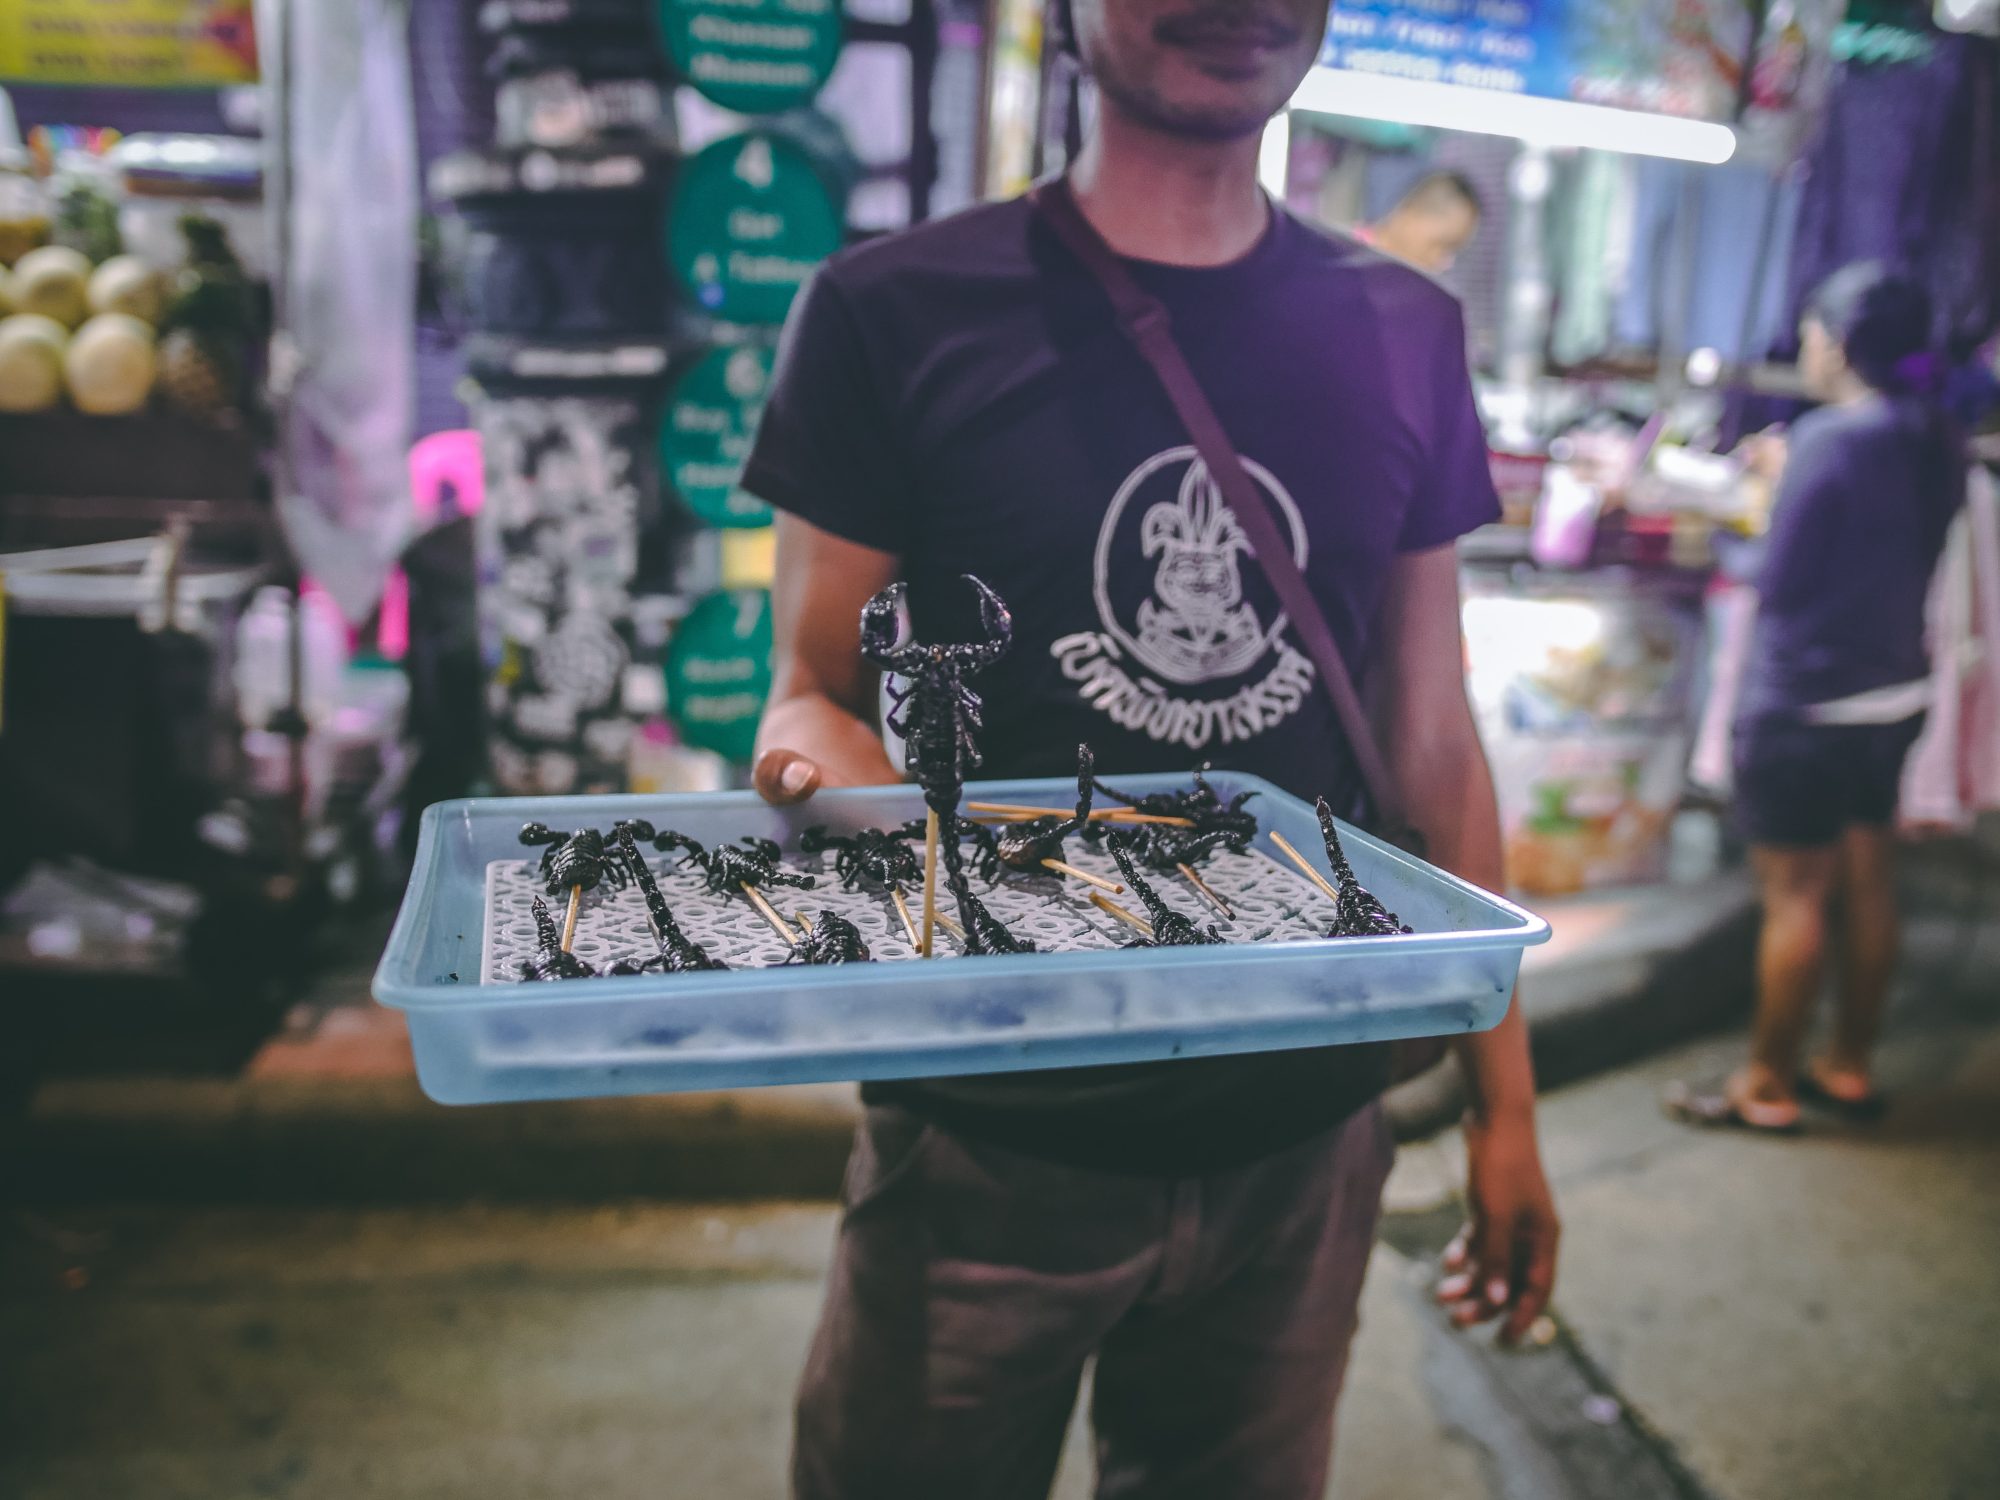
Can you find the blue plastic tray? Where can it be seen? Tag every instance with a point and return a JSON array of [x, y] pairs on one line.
[[479, 1042]]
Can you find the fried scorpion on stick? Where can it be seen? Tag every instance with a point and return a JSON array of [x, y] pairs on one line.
[[679, 953], [552, 960], [937, 714], [1171, 929]]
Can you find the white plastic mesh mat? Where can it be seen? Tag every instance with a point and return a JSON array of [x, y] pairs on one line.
[[1272, 902]]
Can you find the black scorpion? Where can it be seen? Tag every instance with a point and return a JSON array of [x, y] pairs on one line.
[[1357, 913], [679, 953], [726, 867], [1201, 807], [1024, 846], [874, 856], [832, 940], [1170, 928], [550, 961], [570, 860], [938, 716], [1165, 848]]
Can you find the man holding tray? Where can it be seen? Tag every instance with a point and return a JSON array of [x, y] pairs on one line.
[[960, 399]]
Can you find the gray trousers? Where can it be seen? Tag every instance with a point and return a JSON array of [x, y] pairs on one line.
[[971, 1285]]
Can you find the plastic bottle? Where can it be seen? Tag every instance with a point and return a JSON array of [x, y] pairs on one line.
[[262, 671]]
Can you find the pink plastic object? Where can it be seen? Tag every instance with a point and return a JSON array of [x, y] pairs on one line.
[[443, 462], [1565, 526]]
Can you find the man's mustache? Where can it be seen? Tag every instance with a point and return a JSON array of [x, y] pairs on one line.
[[1239, 24]]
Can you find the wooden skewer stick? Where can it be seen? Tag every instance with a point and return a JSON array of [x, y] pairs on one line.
[[1305, 867], [1016, 810], [1084, 875], [930, 881], [903, 911], [770, 913], [569, 920], [951, 927], [1130, 919], [1193, 878]]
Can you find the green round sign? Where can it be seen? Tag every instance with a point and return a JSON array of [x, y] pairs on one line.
[[748, 220], [705, 438], [718, 672], [757, 57]]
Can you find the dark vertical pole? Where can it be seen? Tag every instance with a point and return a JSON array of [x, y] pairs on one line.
[[276, 63], [923, 130]]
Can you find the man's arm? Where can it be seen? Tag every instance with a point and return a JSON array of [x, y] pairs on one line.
[[1504, 1260], [819, 726]]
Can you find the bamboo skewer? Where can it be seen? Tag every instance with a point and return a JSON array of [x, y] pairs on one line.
[[951, 927], [1305, 867], [903, 911], [930, 880], [1193, 878], [1112, 908], [569, 919], [1101, 815], [1084, 875], [769, 913]]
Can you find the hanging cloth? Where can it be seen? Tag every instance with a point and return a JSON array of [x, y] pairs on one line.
[[1953, 774], [1903, 171], [349, 290]]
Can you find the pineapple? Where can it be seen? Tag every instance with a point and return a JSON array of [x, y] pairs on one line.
[[210, 322], [191, 378]]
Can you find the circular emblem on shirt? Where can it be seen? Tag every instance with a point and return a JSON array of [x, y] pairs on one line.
[[1170, 566]]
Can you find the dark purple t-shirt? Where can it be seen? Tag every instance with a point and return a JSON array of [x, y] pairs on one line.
[[1868, 494], [960, 396]]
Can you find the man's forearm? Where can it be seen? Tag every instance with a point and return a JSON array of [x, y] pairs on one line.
[[847, 749], [1452, 801]]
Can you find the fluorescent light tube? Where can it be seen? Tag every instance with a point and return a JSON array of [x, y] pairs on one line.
[[1541, 122]]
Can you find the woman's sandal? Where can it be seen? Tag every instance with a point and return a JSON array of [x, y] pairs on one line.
[[1715, 1110], [1865, 1110]]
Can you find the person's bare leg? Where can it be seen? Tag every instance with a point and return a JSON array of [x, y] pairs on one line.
[[1870, 939], [1796, 886]]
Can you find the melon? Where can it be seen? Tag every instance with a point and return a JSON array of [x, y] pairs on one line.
[[126, 284], [31, 362], [55, 282], [110, 365]]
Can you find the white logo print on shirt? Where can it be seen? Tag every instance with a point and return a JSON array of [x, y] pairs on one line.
[[1194, 626]]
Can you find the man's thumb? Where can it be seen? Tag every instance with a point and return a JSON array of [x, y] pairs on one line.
[[783, 776]]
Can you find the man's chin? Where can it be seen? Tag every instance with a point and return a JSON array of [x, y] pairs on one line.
[[1195, 122]]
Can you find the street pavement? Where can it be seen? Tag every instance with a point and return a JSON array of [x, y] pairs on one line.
[[1738, 1318]]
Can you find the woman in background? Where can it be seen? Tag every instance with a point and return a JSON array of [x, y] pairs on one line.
[[1834, 692]]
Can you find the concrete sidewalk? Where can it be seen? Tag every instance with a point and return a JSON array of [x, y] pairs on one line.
[[330, 1112]]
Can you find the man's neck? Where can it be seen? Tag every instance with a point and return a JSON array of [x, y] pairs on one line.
[[1166, 198]]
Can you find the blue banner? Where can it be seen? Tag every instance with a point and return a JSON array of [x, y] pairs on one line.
[[1510, 46], [1679, 57]]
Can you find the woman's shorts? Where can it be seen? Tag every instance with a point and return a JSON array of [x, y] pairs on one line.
[[1800, 785]]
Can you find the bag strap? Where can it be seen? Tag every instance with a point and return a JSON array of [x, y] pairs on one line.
[[1145, 322]]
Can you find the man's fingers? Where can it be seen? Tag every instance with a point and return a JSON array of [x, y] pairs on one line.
[[1492, 1267], [783, 776], [1536, 1281]]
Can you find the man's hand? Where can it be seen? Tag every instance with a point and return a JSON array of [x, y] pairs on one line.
[[785, 776], [1504, 1259], [822, 693]]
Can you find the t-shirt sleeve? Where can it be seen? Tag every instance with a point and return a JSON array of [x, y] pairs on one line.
[[826, 449], [1455, 494]]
